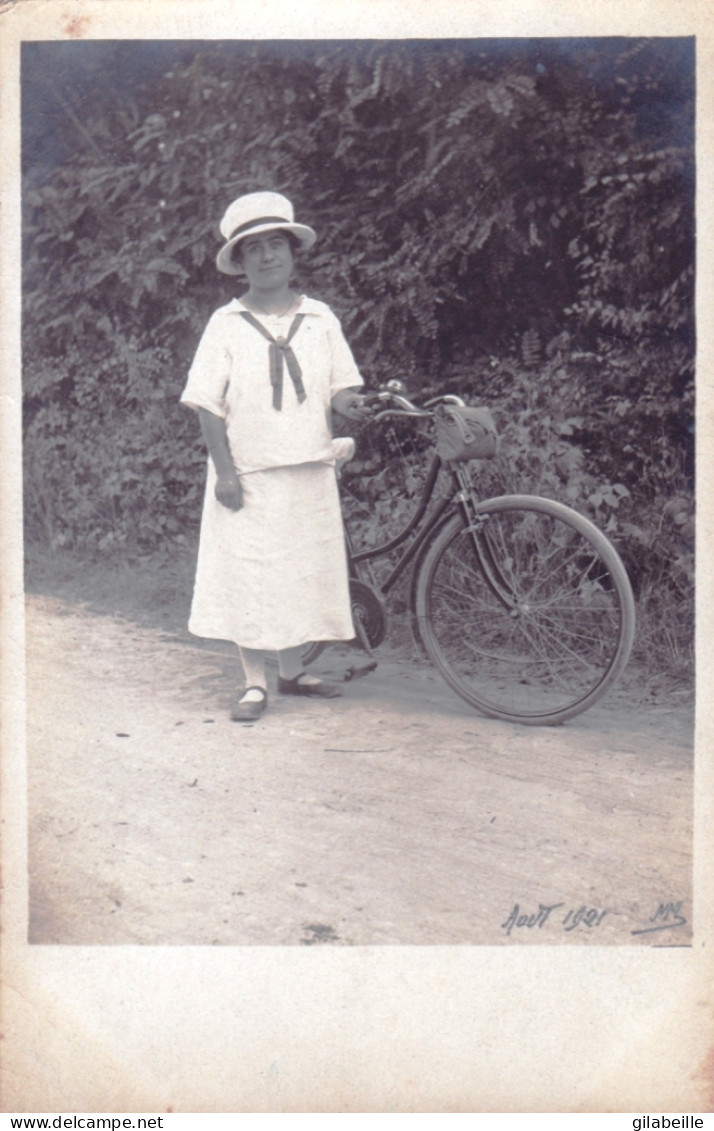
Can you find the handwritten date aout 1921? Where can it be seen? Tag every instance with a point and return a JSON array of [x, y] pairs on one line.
[[584, 916]]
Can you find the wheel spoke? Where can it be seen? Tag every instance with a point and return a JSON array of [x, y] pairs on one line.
[[568, 632]]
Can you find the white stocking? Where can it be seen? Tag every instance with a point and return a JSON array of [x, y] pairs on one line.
[[253, 661], [290, 662]]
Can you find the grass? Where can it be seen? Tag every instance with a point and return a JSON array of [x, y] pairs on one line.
[[153, 591]]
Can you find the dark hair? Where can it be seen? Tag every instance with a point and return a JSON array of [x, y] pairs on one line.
[[292, 239]]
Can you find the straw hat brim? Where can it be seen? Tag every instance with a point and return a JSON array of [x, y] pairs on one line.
[[228, 265]]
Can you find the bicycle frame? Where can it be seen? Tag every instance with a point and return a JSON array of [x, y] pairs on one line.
[[356, 558], [461, 497]]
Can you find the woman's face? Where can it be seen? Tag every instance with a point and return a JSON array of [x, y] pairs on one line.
[[267, 259]]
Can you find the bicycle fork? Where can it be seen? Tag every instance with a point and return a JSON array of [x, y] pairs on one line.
[[476, 526]]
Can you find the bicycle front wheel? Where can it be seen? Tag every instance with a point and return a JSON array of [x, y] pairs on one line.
[[528, 615]]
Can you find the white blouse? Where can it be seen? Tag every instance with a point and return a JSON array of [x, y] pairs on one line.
[[230, 377]]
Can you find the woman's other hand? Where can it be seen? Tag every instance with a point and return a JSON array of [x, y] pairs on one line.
[[229, 492], [228, 488], [351, 404]]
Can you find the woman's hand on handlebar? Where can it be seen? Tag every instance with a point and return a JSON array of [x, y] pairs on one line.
[[352, 404]]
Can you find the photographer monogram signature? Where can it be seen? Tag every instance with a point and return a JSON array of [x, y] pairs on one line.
[[666, 917]]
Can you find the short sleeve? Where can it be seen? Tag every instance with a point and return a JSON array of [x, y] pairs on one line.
[[210, 371], [345, 374]]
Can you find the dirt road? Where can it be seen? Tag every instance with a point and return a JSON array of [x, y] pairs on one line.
[[395, 815]]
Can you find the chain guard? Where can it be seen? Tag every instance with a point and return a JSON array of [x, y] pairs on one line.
[[369, 611]]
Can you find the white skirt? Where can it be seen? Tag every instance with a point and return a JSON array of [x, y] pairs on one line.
[[273, 575]]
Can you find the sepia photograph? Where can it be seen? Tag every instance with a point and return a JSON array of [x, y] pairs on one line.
[[298, 262], [359, 457]]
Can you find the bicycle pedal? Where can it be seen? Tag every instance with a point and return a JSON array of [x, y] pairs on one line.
[[359, 671]]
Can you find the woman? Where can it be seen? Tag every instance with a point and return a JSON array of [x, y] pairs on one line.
[[270, 367]]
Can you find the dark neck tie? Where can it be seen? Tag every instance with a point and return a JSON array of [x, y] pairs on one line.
[[280, 348]]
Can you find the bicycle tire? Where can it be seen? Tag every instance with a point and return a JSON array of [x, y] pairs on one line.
[[568, 631], [311, 651]]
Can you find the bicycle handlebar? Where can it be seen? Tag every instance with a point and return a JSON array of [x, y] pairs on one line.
[[404, 407]]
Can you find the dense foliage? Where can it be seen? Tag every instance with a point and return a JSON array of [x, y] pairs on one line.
[[512, 220]]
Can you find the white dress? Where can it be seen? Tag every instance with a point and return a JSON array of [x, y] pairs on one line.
[[273, 575]]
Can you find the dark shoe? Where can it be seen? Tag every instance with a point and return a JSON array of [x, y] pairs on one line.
[[318, 690], [248, 710]]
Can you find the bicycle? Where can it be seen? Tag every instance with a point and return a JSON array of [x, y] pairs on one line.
[[521, 603]]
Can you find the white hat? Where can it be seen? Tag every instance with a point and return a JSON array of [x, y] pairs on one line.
[[254, 213]]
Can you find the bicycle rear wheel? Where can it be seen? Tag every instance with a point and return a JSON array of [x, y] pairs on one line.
[[535, 625]]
